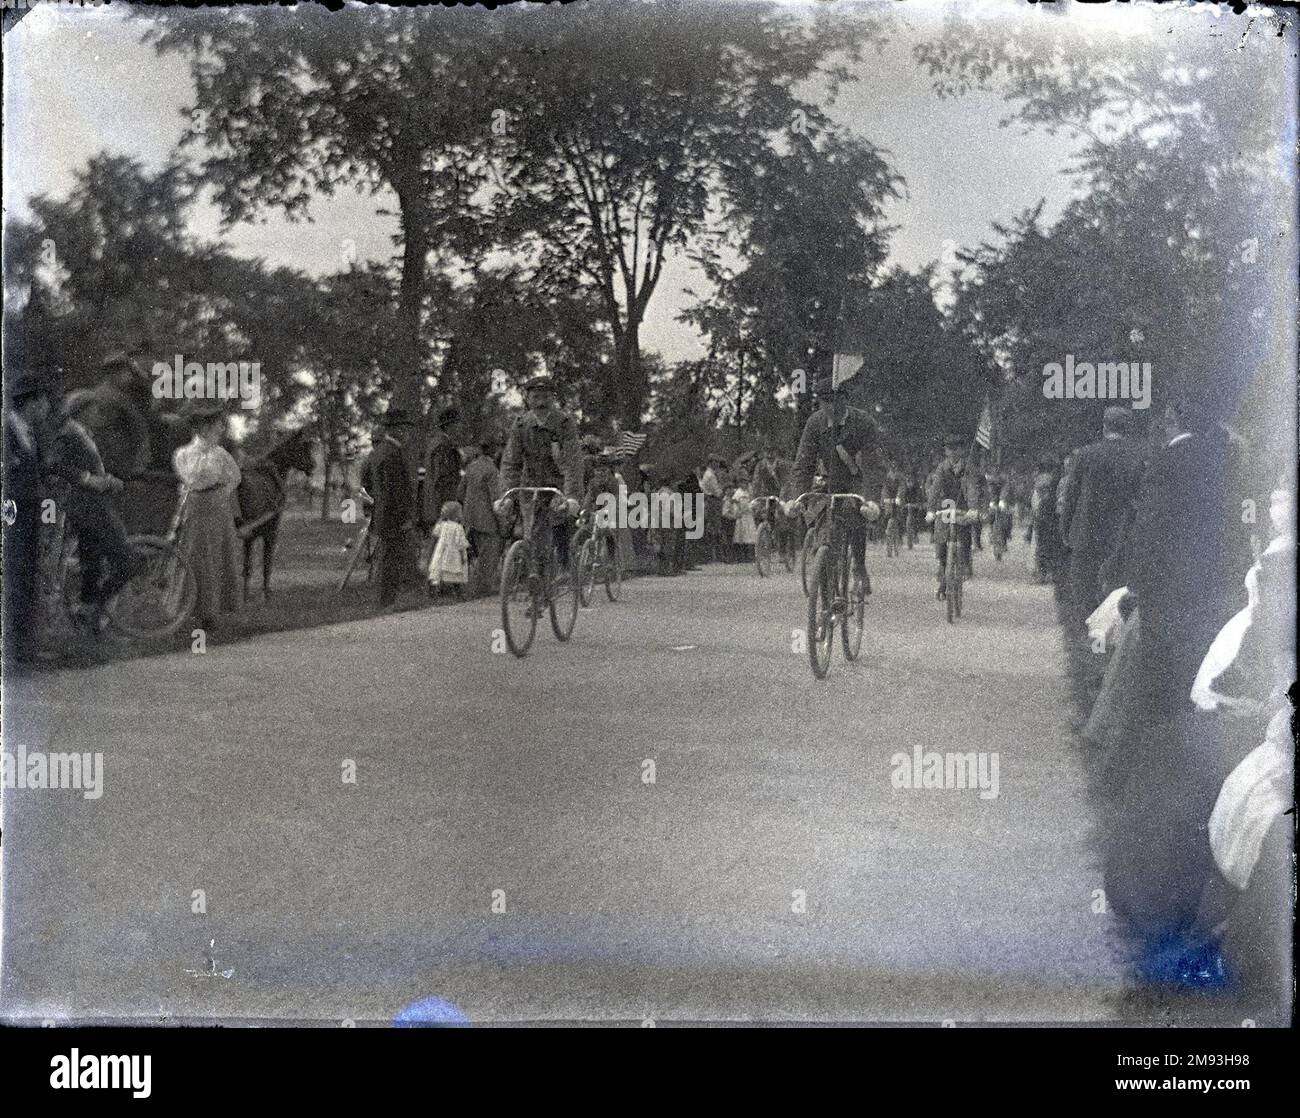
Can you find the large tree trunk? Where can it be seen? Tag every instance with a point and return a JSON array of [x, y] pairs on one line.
[[325, 489], [631, 392], [407, 379]]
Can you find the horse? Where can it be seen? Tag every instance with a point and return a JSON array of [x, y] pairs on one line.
[[262, 495]]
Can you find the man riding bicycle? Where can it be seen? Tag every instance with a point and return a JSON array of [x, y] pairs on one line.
[[543, 450], [954, 497], [843, 439]]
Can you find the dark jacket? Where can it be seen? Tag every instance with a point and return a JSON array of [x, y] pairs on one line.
[[441, 476], [1185, 559], [387, 478], [478, 489], [846, 450], [543, 452], [1100, 495]]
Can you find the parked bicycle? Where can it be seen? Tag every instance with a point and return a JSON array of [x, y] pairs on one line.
[[532, 576], [363, 545], [151, 605], [837, 595]]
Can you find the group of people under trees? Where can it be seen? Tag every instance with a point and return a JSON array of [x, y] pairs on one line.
[[76, 453]]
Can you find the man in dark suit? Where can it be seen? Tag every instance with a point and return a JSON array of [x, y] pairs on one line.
[[1183, 557], [1098, 501], [387, 478], [478, 490]]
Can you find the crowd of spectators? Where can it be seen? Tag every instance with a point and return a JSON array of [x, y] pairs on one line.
[[1173, 558]]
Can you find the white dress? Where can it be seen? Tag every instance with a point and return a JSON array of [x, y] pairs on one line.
[[746, 532], [450, 562]]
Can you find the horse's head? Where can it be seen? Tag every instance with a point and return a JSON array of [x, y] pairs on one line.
[[294, 453]]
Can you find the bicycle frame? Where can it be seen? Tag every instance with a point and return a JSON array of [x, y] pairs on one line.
[[832, 586]]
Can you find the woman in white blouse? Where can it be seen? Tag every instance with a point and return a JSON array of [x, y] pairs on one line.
[[211, 477]]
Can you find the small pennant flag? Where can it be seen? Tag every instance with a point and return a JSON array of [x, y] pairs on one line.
[[845, 366], [984, 432], [629, 444]]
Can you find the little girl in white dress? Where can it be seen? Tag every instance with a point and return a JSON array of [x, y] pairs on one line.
[[449, 565]]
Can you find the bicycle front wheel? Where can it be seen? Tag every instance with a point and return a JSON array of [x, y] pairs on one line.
[[562, 595], [160, 596], [519, 608], [821, 617], [786, 540], [804, 556], [613, 570], [952, 580], [855, 611], [763, 550], [587, 572]]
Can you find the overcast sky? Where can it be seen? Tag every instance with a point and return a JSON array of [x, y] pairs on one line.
[[78, 81]]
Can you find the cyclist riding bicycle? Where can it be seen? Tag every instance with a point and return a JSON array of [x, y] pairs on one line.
[[843, 438], [543, 450], [953, 500]]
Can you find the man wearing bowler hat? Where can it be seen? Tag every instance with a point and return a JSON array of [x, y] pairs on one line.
[[387, 478]]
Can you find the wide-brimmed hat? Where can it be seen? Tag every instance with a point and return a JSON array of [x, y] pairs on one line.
[[541, 381], [26, 383], [199, 410], [397, 417], [954, 442], [1118, 419], [824, 385], [119, 360], [446, 414]]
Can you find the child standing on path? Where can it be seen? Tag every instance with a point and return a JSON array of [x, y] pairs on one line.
[[450, 563]]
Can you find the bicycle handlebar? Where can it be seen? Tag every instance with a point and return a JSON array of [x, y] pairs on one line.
[[531, 489], [832, 496]]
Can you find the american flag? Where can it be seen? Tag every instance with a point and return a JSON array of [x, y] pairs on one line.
[[984, 432], [845, 366], [628, 444]]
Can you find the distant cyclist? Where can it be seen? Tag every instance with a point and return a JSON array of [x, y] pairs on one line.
[[954, 492]]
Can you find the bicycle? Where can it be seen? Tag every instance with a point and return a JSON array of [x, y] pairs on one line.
[[598, 561], [892, 548], [154, 601], [836, 595], [1000, 528], [767, 539], [362, 545], [532, 576], [909, 523], [954, 569]]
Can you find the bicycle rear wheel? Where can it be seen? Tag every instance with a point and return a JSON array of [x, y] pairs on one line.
[[854, 593], [519, 607], [562, 595], [821, 619], [160, 596], [763, 550]]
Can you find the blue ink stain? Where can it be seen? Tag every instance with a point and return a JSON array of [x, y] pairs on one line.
[[1172, 960], [429, 1013]]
